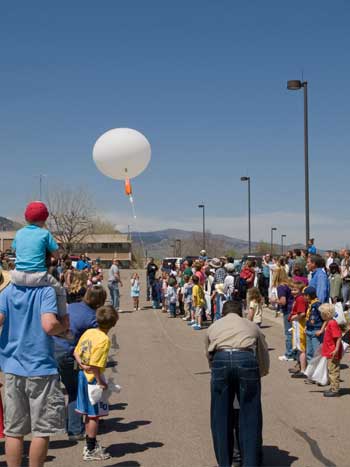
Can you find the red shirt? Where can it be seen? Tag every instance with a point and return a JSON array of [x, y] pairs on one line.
[[331, 335], [299, 306]]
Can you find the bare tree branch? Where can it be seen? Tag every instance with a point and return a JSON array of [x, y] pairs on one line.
[[71, 217]]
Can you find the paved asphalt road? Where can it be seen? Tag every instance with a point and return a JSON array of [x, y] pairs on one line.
[[161, 417]]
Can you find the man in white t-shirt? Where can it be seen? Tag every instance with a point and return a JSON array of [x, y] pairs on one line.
[[113, 284]]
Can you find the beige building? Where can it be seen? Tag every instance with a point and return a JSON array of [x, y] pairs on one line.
[[104, 247], [6, 239]]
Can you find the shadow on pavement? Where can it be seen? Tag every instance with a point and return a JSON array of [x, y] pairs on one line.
[[121, 449], [119, 406], [275, 457], [61, 444], [112, 363], [126, 464], [114, 424]]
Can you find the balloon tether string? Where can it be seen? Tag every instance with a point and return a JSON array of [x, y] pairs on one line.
[[135, 217]]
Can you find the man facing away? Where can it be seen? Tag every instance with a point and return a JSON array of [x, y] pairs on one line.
[[34, 402], [113, 284], [238, 357]]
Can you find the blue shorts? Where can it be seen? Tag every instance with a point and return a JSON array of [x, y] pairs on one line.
[[84, 406]]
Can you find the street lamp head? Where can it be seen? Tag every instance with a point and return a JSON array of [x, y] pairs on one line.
[[201, 205], [273, 228], [283, 235], [245, 179], [294, 85]]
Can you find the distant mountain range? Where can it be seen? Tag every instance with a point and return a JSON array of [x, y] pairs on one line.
[[8, 224], [176, 242]]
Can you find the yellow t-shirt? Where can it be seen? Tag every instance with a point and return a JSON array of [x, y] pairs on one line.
[[93, 348], [198, 299]]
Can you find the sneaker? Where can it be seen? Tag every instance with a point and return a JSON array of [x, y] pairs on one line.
[[135, 309], [299, 374], [309, 381], [97, 454], [196, 327], [331, 394], [295, 369], [283, 358], [191, 323]]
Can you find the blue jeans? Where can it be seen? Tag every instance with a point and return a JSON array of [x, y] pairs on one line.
[[114, 293], [312, 344], [172, 309], [236, 373], [69, 376], [288, 336]]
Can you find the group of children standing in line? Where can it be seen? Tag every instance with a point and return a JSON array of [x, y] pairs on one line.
[[315, 331], [195, 294]]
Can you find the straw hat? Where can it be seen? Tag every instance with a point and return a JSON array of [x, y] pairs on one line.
[[215, 263], [5, 279]]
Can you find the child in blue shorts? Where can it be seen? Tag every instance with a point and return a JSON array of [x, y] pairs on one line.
[[91, 353], [32, 244]]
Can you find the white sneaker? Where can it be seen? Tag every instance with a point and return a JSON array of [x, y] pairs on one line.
[[135, 309], [97, 454], [283, 358]]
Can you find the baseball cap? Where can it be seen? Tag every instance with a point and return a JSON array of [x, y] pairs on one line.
[[36, 212]]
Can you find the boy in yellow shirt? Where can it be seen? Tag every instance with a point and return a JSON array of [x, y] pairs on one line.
[[198, 302], [91, 353]]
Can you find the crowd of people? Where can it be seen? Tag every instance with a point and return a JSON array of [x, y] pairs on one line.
[[55, 323], [309, 291]]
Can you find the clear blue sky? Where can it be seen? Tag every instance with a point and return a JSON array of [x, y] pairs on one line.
[[205, 81]]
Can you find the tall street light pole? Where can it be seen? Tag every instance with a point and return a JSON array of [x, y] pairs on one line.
[[273, 229], [202, 206], [295, 85], [247, 179], [282, 237]]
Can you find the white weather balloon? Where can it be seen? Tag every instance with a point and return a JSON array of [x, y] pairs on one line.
[[122, 153]]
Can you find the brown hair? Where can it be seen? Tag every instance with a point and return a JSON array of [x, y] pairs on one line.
[[254, 294], [95, 297], [106, 317]]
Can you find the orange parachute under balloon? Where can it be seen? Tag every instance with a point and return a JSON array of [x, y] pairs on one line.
[[128, 188]]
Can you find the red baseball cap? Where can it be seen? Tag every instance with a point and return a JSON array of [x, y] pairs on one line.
[[36, 212]]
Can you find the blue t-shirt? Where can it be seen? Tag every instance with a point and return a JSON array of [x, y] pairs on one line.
[[31, 244], [25, 348], [81, 318], [81, 265]]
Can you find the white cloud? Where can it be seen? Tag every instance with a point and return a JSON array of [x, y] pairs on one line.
[[329, 232]]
